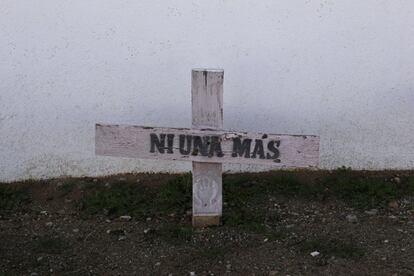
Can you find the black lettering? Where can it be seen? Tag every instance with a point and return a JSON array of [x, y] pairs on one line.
[[271, 147], [189, 139], [170, 142], [215, 146], [201, 145], [240, 149], [258, 149], [155, 142]]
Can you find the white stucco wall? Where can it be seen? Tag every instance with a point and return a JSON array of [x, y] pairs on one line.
[[341, 69]]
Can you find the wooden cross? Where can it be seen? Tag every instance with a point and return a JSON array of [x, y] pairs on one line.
[[207, 145]]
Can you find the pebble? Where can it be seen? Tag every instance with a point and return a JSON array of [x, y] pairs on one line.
[[121, 238], [49, 224], [192, 273], [116, 232], [39, 259], [265, 240], [314, 253], [149, 219], [393, 204], [157, 263], [146, 231], [372, 212], [76, 230], [43, 213], [352, 218], [125, 218]]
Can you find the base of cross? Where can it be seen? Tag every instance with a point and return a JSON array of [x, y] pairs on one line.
[[206, 220]]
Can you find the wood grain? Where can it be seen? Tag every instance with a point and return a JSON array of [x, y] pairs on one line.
[[207, 112], [296, 151]]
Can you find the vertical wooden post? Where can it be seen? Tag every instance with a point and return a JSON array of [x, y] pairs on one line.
[[207, 112]]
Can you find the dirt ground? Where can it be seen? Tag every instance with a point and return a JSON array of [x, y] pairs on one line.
[[281, 223]]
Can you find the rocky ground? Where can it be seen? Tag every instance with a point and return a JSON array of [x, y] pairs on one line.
[[281, 223]]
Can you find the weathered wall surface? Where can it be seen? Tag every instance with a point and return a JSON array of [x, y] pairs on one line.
[[343, 70]]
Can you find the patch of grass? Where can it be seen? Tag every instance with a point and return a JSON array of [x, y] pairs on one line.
[[247, 198], [366, 191], [357, 189], [288, 184], [175, 195], [256, 187], [139, 199], [246, 195], [333, 247], [119, 200], [50, 245], [408, 186], [67, 186], [12, 198]]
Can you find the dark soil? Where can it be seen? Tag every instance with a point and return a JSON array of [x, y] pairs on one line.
[[360, 223]]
